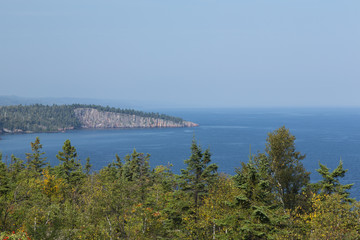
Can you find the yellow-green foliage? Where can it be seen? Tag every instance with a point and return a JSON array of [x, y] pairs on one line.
[[333, 218], [130, 201]]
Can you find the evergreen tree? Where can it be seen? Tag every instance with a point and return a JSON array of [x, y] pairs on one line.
[[70, 169], [199, 174], [136, 170], [119, 166], [35, 161], [256, 214], [5, 189], [4, 179], [136, 166], [331, 184], [88, 166], [16, 167]]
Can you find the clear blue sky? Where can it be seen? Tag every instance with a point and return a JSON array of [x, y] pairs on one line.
[[201, 53]]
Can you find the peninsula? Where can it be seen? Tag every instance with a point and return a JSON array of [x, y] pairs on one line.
[[55, 118]]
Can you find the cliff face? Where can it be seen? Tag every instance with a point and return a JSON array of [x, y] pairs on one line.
[[93, 118]]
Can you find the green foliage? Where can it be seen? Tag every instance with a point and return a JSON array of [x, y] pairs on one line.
[[195, 181], [87, 166], [129, 200], [258, 214], [331, 184], [199, 174], [287, 174], [35, 161], [70, 169], [136, 167], [38, 118], [4, 178], [332, 218], [5, 189]]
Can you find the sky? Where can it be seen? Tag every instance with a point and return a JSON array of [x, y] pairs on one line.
[[188, 53]]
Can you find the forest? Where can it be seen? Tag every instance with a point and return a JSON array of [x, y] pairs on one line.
[[269, 197], [45, 118]]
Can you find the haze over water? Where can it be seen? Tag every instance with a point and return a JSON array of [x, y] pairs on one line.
[[324, 135]]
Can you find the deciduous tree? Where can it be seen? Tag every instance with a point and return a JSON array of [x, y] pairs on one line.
[[286, 171]]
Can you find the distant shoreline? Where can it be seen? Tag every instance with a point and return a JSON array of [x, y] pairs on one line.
[[57, 118], [2, 133]]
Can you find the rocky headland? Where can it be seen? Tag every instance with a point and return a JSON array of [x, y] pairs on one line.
[[57, 118], [93, 118]]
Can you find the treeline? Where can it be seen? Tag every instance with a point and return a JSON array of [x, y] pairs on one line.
[[45, 118], [269, 197], [38, 118]]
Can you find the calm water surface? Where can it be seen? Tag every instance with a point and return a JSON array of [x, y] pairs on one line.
[[324, 135]]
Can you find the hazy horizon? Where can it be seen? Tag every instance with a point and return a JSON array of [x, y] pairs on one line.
[[146, 106], [185, 54]]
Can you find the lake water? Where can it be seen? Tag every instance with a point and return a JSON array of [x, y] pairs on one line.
[[324, 135]]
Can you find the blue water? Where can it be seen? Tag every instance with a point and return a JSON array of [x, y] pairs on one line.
[[324, 135]]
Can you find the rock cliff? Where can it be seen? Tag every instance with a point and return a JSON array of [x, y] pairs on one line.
[[93, 118]]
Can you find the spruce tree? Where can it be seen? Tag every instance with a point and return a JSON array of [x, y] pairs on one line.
[[136, 171], [35, 160], [136, 166], [255, 211], [199, 174], [331, 184], [70, 169]]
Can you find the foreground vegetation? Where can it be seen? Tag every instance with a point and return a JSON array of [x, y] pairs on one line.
[[269, 197]]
